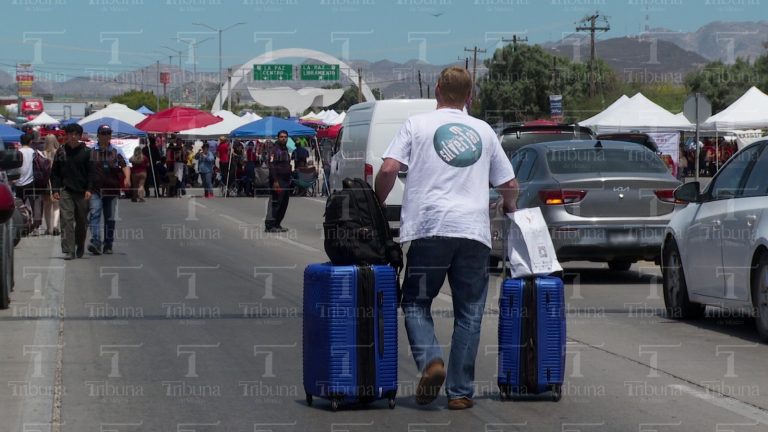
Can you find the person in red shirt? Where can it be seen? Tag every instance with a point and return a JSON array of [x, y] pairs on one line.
[[222, 152]]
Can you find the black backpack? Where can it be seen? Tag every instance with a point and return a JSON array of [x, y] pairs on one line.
[[41, 171], [356, 231]]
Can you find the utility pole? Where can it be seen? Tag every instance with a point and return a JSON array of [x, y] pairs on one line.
[[158, 87], [592, 28], [229, 89], [359, 85], [474, 50], [514, 41], [421, 95]]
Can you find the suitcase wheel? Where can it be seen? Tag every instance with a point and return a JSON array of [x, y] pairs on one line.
[[557, 392], [391, 403], [334, 405], [309, 399]]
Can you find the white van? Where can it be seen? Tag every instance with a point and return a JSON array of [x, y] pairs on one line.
[[366, 133]]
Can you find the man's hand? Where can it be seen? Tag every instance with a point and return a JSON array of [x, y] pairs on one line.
[[87, 195], [126, 183], [56, 196]]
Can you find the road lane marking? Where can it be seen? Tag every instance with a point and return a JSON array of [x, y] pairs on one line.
[[237, 221], [297, 244], [195, 203], [726, 402]]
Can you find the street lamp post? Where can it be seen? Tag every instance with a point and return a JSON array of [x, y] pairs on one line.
[[220, 31], [181, 81], [194, 69]]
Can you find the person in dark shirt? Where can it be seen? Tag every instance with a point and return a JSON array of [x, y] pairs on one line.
[[300, 155], [70, 183], [280, 179]]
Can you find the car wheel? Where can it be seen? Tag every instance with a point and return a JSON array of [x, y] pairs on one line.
[[760, 297], [675, 290], [619, 265]]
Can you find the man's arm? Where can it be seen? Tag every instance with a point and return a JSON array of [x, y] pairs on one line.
[[509, 192], [385, 179]]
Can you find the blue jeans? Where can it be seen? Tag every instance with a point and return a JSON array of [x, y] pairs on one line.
[[465, 262], [206, 177], [106, 205]]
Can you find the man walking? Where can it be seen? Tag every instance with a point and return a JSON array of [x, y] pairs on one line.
[[109, 173], [280, 179], [70, 183], [451, 159]]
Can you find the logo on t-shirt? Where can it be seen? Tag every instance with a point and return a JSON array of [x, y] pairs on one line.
[[458, 145]]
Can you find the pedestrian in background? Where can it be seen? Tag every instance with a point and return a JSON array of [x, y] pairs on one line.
[[451, 159], [70, 182], [205, 159], [280, 179], [109, 173], [139, 166], [51, 206]]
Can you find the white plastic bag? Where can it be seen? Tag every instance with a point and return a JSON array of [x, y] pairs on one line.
[[529, 246]]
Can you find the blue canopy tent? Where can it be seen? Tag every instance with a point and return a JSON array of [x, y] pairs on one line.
[[144, 110], [268, 127], [119, 128], [8, 133]]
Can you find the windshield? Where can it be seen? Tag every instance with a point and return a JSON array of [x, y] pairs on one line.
[[592, 160], [511, 143]]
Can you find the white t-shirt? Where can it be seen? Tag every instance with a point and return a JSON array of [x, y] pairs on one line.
[[25, 172], [451, 159]]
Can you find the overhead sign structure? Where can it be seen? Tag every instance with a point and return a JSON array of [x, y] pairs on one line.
[[273, 72], [319, 72]]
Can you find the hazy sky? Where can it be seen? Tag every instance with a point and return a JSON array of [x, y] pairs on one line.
[[66, 38]]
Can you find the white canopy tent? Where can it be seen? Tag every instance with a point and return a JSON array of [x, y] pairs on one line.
[[638, 114], [116, 111], [43, 120], [750, 111], [229, 123], [250, 117], [338, 120], [590, 122]]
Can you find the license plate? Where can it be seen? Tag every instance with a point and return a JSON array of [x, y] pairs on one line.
[[622, 238]]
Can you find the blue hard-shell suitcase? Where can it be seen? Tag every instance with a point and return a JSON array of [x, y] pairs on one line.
[[531, 336], [350, 333]]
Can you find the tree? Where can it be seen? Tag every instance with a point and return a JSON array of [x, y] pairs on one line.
[[722, 84], [521, 78], [134, 99]]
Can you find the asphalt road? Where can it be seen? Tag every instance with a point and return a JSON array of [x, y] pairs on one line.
[[194, 324]]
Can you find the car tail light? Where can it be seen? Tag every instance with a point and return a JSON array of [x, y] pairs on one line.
[[557, 196], [667, 195], [368, 174]]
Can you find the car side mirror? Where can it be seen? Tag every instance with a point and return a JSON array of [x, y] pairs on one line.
[[688, 192]]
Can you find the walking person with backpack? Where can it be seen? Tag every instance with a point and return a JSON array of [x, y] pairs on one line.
[[70, 182], [280, 178], [451, 159], [109, 173]]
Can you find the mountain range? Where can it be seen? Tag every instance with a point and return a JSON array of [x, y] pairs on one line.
[[657, 55]]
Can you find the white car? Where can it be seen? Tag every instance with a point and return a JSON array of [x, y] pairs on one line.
[[715, 250]]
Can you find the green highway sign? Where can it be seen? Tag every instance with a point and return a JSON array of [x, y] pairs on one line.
[[273, 72], [319, 72]]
